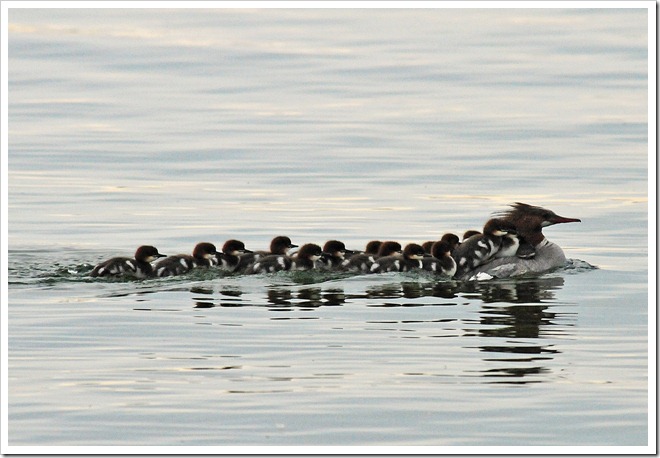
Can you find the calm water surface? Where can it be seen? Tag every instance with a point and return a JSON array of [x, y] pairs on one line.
[[170, 127]]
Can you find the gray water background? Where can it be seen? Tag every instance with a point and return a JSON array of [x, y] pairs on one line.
[[170, 127]]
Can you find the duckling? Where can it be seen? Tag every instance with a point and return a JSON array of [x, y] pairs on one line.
[[480, 248], [304, 259], [362, 262], [373, 247], [334, 253], [509, 246], [410, 260], [450, 239], [440, 261], [470, 233], [307, 257], [427, 246], [231, 254], [204, 255], [280, 245], [139, 266]]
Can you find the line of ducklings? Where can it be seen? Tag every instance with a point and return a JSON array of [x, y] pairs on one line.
[[448, 256]]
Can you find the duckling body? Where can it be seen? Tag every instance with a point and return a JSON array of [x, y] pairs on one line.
[[440, 261], [304, 259], [411, 259], [362, 262], [230, 256], [139, 266], [334, 254], [307, 257], [279, 246], [480, 248], [204, 255]]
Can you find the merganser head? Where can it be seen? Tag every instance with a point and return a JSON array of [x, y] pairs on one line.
[[204, 250], [389, 248], [427, 246], [281, 244], [413, 251], [530, 220], [147, 253], [373, 247], [335, 248], [525, 215], [234, 248], [310, 251]]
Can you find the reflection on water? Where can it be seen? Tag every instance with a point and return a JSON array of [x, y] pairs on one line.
[[510, 326], [516, 292], [520, 316], [537, 290], [515, 362]]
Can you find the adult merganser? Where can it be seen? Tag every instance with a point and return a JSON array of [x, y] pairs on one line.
[[410, 260], [280, 245], [529, 221], [204, 255], [362, 262], [139, 267], [440, 260], [304, 259], [480, 248], [231, 255]]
